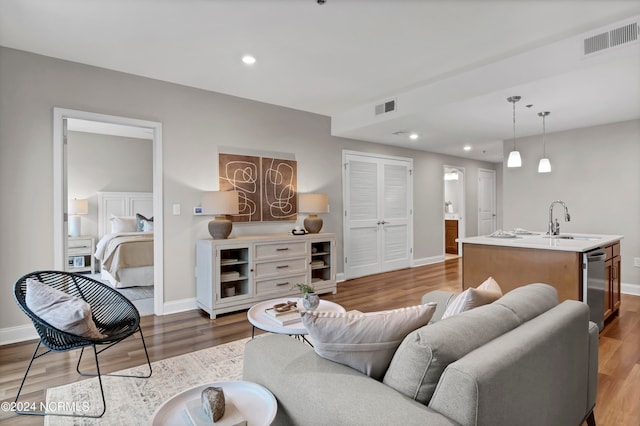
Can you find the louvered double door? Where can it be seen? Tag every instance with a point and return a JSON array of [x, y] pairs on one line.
[[377, 225]]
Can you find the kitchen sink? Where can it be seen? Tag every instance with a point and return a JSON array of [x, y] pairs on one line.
[[573, 237]]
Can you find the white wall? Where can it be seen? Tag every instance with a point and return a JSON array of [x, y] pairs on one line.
[[595, 172], [97, 163], [196, 124]]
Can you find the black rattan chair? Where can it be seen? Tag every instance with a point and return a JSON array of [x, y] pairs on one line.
[[114, 315]]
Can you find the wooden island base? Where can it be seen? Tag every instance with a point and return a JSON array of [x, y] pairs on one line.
[[514, 267]]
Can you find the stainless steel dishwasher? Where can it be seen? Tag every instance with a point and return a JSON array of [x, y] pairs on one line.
[[593, 284]]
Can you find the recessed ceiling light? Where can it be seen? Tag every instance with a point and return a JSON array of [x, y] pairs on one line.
[[467, 148], [413, 136], [248, 59]]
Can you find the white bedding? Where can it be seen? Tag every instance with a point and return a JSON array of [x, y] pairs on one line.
[[126, 258]]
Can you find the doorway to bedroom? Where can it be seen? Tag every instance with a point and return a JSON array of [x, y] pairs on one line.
[[107, 201]]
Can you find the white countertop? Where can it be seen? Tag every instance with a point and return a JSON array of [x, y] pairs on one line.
[[538, 240]]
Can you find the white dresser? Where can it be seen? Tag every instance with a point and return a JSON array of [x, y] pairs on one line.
[[236, 273]]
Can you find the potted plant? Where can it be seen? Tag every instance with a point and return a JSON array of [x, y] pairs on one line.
[[310, 299]]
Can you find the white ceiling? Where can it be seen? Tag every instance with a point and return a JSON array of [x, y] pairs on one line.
[[450, 64]]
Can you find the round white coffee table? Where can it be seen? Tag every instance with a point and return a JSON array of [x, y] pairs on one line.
[[256, 403], [258, 318]]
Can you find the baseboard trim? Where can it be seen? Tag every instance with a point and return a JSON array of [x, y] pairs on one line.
[[633, 289], [177, 306], [17, 334], [427, 261]]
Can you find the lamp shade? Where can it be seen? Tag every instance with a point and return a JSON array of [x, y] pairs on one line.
[[544, 166], [76, 206], [514, 159], [220, 202], [313, 203]]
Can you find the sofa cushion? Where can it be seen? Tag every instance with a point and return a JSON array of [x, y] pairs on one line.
[[423, 355], [487, 292], [365, 342], [63, 311], [529, 301]]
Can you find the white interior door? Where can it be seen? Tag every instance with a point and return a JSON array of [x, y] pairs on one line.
[[486, 201], [396, 215], [377, 225]]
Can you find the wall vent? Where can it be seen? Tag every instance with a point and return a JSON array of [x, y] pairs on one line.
[[385, 107], [612, 38]]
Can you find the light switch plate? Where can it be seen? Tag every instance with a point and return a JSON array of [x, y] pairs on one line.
[[176, 209]]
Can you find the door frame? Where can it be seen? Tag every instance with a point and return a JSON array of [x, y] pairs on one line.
[[463, 209], [494, 207], [60, 190]]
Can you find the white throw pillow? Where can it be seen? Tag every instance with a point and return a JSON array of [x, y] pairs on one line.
[[487, 292], [365, 342], [61, 310], [490, 285], [123, 224]]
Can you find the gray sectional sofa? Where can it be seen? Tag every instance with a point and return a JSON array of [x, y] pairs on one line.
[[522, 360]]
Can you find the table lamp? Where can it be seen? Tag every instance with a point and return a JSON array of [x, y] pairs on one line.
[[221, 204], [313, 204], [76, 208]]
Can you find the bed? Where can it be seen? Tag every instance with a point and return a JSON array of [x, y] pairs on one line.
[[125, 246]]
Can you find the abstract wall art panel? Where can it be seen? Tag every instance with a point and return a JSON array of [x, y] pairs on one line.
[[266, 186]]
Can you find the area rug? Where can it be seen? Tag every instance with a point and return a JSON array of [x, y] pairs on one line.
[[132, 401]]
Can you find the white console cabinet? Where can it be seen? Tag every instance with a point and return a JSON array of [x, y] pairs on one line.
[[236, 273]]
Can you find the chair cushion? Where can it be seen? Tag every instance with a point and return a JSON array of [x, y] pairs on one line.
[[63, 311], [365, 342], [487, 292], [423, 355]]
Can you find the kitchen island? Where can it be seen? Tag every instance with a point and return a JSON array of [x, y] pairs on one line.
[[514, 260]]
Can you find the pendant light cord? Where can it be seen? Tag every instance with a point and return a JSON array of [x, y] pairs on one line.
[[514, 125], [544, 132], [513, 100]]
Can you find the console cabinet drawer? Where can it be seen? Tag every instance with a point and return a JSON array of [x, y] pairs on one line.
[[279, 285], [278, 250], [280, 268]]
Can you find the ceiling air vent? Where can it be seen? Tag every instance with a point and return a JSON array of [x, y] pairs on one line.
[[386, 107], [612, 38]]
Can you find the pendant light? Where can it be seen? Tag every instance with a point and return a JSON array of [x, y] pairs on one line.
[[514, 159], [544, 166]]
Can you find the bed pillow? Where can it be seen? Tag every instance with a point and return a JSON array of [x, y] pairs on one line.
[[123, 224], [140, 221], [63, 311], [365, 342], [487, 292], [147, 226]]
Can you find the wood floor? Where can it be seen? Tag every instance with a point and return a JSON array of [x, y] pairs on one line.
[[618, 402]]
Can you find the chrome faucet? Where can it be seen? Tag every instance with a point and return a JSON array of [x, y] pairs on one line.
[[554, 228]]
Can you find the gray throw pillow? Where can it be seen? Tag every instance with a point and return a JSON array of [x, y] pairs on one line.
[[364, 341], [63, 311]]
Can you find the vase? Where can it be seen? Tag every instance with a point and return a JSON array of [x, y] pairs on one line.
[[310, 301]]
